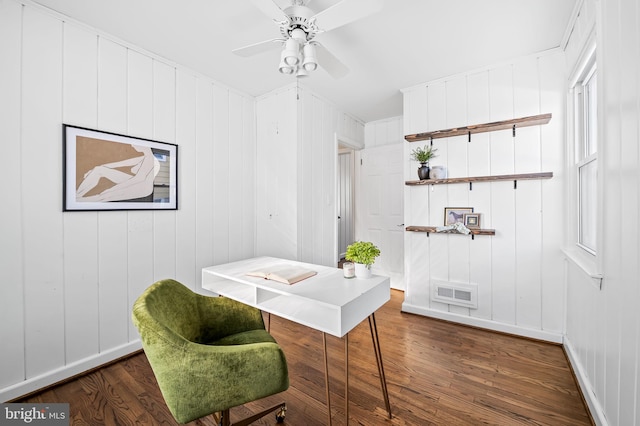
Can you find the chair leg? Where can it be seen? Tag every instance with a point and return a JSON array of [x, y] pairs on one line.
[[224, 418], [225, 421]]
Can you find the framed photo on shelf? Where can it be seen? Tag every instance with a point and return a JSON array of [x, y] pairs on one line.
[[471, 220], [108, 171], [455, 214]]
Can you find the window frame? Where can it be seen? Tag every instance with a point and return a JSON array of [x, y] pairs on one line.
[[586, 149], [589, 262]]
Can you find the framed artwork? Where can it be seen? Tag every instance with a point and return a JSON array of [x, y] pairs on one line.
[[455, 214], [472, 220], [108, 171]]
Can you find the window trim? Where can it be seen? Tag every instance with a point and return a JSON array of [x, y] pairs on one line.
[[583, 71], [587, 260]]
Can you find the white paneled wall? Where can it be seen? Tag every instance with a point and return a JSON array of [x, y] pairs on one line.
[[603, 325], [518, 271], [71, 278], [383, 132], [277, 203], [297, 189]]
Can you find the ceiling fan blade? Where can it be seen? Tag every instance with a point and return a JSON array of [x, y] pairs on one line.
[[346, 12], [330, 63], [271, 9], [263, 46]]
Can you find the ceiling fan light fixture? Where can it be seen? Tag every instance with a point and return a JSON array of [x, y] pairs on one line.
[[284, 67], [299, 26], [291, 53], [302, 72], [299, 35], [310, 62]]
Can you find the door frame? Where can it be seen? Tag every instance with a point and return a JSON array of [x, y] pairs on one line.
[[343, 143]]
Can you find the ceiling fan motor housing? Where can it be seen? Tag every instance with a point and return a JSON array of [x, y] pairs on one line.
[[299, 19]]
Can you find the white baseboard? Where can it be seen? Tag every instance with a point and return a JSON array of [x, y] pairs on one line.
[[50, 377], [585, 385], [484, 323]]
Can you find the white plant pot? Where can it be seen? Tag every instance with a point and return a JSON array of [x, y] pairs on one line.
[[362, 271]]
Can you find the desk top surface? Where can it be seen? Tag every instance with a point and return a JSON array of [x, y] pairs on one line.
[[326, 301], [329, 285]]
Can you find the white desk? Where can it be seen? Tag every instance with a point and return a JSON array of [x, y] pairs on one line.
[[327, 302]]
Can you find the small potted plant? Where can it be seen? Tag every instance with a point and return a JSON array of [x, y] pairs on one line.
[[422, 155], [363, 254]]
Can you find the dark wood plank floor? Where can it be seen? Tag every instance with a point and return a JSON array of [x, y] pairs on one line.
[[438, 373]]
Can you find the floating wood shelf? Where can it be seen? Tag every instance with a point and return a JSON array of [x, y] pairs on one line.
[[430, 229], [517, 177], [533, 120]]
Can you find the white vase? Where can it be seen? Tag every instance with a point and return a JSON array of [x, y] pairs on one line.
[[363, 271], [438, 172]]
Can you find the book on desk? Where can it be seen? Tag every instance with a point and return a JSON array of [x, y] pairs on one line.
[[284, 274]]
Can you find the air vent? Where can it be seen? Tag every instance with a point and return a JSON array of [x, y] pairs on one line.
[[453, 293]]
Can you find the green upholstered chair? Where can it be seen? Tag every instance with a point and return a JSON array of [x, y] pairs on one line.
[[208, 354]]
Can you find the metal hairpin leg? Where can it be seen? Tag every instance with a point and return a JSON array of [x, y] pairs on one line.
[[376, 349], [326, 375], [383, 380], [346, 377]]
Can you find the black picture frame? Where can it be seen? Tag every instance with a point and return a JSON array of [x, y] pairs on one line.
[[110, 171]]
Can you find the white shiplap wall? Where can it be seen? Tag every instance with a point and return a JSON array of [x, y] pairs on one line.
[[518, 271], [603, 325], [298, 152], [70, 279], [383, 132]]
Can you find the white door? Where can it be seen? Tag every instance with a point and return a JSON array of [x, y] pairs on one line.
[[380, 207]]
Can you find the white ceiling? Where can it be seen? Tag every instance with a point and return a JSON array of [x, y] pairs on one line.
[[407, 43]]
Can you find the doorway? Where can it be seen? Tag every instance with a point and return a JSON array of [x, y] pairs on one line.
[[345, 202]]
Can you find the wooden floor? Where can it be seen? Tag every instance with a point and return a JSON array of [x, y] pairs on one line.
[[438, 373]]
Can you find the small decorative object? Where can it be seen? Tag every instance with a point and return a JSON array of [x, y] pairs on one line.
[[472, 220], [455, 214], [438, 172], [456, 228], [349, 269], [363, 254], [423, 155]]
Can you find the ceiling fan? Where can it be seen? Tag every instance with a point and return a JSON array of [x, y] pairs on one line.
[[299, 26]]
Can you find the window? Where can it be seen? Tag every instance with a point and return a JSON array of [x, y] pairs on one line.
[[586, 132]]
